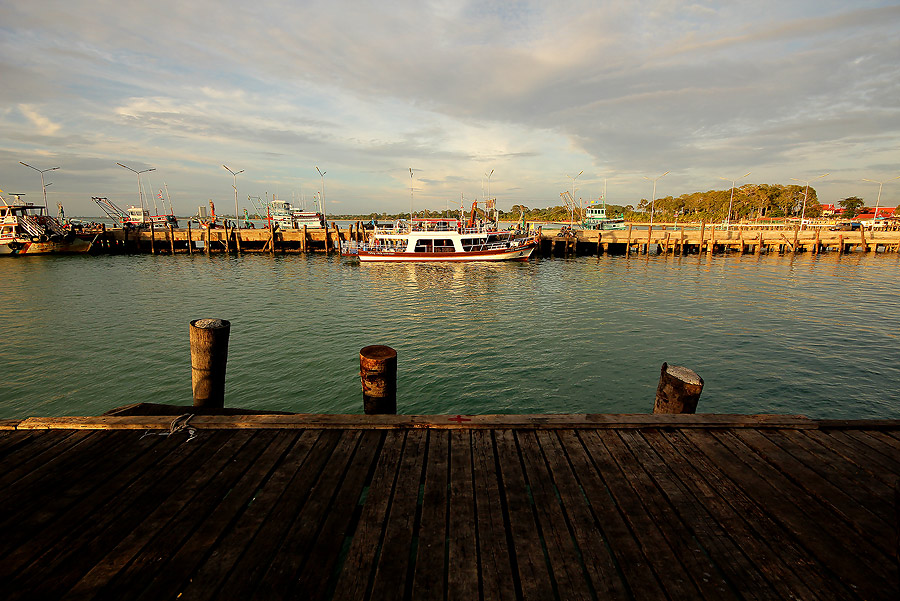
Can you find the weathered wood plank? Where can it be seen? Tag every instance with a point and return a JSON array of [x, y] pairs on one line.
[[393, 571], [696, 560], [564, 557], [548, 421], [205, 583], [837, 503], [173, 576], [497, 577], [354, 580], [772, 552], [114, 516], [665, 561], [324, 553], [288, 563], [462, 552], [597, 559], [100, 580], [428, 579], [533, 577], [641, 580], [257, 557], [799, 513]]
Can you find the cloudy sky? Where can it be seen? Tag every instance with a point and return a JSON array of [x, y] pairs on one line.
[[536, 91]]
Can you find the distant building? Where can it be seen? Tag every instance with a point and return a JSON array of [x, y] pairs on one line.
[[883, 213], [829, 210]]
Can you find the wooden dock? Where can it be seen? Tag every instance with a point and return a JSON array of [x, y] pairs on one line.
[[449, 507], [664, 239]]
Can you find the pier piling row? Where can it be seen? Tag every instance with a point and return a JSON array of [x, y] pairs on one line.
[[665, 240]]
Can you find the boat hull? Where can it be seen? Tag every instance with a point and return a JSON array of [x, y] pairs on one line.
[[517, 254], [27, 247]]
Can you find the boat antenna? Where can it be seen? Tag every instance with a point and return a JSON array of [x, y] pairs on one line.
[[171, 208]]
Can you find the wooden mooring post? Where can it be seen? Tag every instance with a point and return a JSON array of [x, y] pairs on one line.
[[172, 238], [190, 239], [209, 356], [678, 390], [378, 375]]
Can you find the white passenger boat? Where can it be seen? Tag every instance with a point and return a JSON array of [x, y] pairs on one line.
[[442, 240], [25, 229]]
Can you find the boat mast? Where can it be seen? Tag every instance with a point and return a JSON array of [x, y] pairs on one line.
[[171, 208]]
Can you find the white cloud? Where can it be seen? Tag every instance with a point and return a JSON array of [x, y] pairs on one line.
[[45, 127]]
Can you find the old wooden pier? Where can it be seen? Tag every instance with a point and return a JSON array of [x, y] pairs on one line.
[[448, 507], [677, 240]]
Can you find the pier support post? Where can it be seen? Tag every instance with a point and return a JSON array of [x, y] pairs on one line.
[[190, 239], [209, 356], [678, 390], [378, 374]]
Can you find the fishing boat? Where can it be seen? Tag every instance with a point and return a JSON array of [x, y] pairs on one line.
[[286, 217], [595, 219], [26, 229], [443, 240]]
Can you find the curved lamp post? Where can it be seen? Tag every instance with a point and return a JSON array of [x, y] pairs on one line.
[[140, 187], [730, 202], [322, 173], [43, 186], [653, 198], [806, 194], [234, 175], [877, 202]]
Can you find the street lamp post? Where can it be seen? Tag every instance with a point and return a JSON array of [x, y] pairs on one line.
[[806, 194], [572, 218], [140, 187], [322, 173], [877, 202], [730, 202], [234, 175], [43, 186], [653, 198]]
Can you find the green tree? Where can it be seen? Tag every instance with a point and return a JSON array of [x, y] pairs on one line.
[[851, 206]]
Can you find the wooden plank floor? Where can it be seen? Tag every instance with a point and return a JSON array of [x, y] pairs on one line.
[[647, 511]]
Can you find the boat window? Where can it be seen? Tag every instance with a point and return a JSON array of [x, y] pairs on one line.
[[423, 246]]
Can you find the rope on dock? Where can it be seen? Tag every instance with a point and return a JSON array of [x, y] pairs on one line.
[[178, 424]]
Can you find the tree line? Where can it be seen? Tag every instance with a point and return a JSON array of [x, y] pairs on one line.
[[750, 201]]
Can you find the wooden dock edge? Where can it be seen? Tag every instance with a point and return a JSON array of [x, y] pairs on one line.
[[395, 422]]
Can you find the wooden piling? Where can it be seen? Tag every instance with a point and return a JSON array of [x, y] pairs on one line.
[[683, 250], [702, 232], [152, 240], [237, 240], [209, 356], [759, 244], [841, 244], [190, 239], [272, 237], [172, 238], [678, 390], [326, 238], [227, 239], [125, 239], [649, 237], [303, 240], [206, 243], [712, 240], [378, 375], [796, 235], [816, 244], [628, 242]]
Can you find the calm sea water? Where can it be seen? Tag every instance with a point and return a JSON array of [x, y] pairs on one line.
[[809, 335]]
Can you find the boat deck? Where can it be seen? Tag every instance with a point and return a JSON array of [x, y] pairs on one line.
[[449, 507]]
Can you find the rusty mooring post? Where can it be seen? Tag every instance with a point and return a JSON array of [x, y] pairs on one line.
[[209, 355], [678, 390], [378, 374]]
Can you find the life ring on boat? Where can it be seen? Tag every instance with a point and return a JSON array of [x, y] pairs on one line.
[[15, 245]]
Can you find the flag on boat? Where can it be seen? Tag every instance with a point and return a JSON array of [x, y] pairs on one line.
[[159, 195]]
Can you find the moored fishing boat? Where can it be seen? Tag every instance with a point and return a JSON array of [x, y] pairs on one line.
[[595, 219], [25, 229], [442, 240], [289, 218]]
